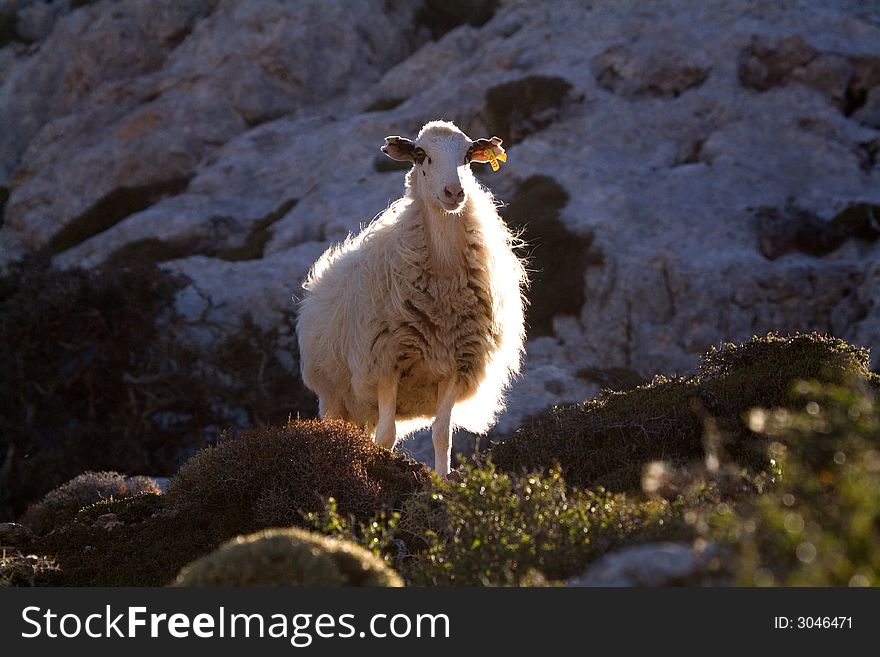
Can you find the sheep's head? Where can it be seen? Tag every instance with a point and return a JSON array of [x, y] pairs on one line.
[[440, 156]]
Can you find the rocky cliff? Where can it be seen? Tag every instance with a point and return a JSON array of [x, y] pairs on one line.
[[684, 173]]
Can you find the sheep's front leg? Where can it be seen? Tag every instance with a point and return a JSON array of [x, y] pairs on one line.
[[441, 430], [385, 426]]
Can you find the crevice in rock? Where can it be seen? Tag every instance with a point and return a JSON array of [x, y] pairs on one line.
[[867, 152], [849, 82], [8, 24], [149, 251], [693, 154], [260, 234], [113, 208], [442, 16], [865, 78], [384, 104], [784, 230], [4, 196], [178, 37]]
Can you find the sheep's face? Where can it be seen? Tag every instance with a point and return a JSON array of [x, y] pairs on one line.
[[441, 155]]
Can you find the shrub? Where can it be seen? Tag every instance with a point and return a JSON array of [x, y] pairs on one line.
[[86, 371], [60, 505], [95, 378], [558, 259], [270, 476], [135, 541], [820, 524], [608, 440], [259, 479], [497, 529], [288, 557], [17, 569]]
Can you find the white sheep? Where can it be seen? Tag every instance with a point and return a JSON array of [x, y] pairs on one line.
[[419, 317]]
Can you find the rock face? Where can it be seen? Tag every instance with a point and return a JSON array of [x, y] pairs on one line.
[[717, 162]]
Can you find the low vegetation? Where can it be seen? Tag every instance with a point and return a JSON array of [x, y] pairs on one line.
[[779, 474], [288, 557], [95, 378], [820, 524], [61, 505], [607, 440]]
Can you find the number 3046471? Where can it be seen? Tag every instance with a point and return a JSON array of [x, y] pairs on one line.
[[813, 622]]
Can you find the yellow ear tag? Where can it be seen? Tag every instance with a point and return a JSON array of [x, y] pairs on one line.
[[493, 158]]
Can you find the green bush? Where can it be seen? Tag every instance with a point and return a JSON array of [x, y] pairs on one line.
[[288, 557], [496, 529], [61, 505], [608, 440], [819, 525]]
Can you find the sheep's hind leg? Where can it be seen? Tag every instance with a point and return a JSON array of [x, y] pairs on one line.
[[441, 430], [331, 408], [385, 426]]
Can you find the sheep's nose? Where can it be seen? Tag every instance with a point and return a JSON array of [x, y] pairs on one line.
[[454, 192]]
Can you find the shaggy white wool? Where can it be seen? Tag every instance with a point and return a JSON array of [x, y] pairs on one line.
[[424, 303]]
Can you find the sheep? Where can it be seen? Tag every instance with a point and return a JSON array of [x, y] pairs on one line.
[[418, 319]]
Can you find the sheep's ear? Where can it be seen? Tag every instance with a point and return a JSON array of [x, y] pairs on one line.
[[487, 150], [403, 150]]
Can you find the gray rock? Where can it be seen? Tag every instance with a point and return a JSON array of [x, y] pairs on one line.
[[686, 123], [654, 564], [150, 115], [222, 292]]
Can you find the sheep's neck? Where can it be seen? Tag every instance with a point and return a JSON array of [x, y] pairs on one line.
[[445, 239]]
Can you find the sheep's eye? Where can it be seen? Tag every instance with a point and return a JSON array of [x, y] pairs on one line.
[[429, 159]]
